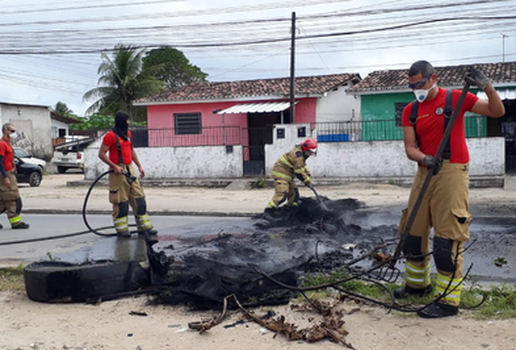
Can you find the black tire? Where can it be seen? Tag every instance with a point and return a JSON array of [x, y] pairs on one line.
[[61, 169], [55, 281], [35, 179]]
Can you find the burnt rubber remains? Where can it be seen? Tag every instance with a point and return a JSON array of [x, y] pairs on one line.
[[283, 248], [58, 281]]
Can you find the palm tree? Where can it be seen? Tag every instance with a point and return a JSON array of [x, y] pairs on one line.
[[62, 108], [122, 80]]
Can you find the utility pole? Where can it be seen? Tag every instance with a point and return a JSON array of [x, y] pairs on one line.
[[503, 46], [292, 70]]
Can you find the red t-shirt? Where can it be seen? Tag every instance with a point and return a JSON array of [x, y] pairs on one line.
[[430, 125], [6, 150], [127, 150]]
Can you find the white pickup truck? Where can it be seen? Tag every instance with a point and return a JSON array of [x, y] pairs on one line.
[[65, 159], [70, 155]]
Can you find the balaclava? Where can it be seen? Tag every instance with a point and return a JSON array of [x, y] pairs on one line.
[[121, 124]]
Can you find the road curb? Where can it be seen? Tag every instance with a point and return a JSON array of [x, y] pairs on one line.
[[161, 213]]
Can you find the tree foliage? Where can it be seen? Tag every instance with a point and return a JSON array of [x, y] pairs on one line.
[[100, 122], [172, 67], [122, 80], [62, 108], [95, 122]]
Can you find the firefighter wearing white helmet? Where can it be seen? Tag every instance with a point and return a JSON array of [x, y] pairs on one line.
[[289, 166]]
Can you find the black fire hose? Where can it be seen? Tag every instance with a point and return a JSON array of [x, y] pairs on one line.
[[440, 149], [90, 229], [130, 178]]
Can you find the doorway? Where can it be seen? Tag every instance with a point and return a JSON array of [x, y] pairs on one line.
[[259, 133]]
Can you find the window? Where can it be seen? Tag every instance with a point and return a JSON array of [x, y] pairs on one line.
[[398, 111], [188, 123]]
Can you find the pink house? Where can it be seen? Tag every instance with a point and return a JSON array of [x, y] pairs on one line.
[[235, 112]]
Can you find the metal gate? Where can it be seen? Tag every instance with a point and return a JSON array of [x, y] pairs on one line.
[[510, 157], [254, 140]]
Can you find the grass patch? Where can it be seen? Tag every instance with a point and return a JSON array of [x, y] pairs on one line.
[[11, 279], [500, 301]]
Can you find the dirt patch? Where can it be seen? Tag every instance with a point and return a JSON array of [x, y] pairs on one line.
[[110, 326]]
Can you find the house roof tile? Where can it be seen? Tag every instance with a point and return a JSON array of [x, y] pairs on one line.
[[253, 88], [450, 76], [63, 118]]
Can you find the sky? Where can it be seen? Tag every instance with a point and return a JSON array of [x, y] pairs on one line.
[[50, 50]]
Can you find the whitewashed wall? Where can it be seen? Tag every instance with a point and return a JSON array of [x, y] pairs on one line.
[[334, 159], [338, 106], [380, 158], [178, 162], [33, 126]]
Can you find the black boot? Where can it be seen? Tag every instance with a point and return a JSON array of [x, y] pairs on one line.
[[438, 310], [123, 234], [147, 232], [21, 225], [270, 214], [407, 291]]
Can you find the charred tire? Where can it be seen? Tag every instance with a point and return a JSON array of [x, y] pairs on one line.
[[62, 169], [35, 179], [55, 281]]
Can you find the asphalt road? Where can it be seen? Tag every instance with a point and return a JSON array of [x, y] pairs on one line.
[[490, 239], [89, 246]]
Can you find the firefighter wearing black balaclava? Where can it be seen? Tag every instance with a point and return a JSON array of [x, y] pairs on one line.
[[124, 186]]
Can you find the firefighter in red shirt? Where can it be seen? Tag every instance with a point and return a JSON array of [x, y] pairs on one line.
[[445, 203], [10, 199], [124, 187]]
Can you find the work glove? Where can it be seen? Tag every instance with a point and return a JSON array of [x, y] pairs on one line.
[[477, 78], [432, 163], [308, 183]]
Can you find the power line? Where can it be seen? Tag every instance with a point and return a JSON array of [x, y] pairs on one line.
[[263, 41]]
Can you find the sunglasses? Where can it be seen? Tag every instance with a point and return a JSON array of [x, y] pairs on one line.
[[11, 131], [419, 84]]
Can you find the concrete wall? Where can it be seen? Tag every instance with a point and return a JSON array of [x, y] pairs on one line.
[[33, 126], [338, 106], [380, 158], [178, 162], [334, 159], [56, 125]]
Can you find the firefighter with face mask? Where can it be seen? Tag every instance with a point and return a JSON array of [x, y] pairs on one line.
[[10, 199], [444, 205], [124, 187], [289, 166]]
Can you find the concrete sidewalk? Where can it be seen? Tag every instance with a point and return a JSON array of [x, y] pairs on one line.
[[65, 193]]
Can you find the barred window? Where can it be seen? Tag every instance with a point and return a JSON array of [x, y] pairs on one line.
[[188, 123]]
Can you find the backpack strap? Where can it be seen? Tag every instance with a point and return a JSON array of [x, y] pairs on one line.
[[448, 110], [119, 149], [413, 118]]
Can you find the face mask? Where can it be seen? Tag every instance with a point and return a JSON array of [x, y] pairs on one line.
[[422, 94], [13, 136]]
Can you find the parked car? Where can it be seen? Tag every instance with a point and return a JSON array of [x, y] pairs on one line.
[[28, 158], [68, 158], [28, 173]]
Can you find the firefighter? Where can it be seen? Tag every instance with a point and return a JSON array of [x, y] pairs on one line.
[[124, 187], [289, 166], [10, 199], [444, 207]]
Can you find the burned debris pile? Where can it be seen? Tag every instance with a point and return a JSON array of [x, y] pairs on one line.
[[300, 240]]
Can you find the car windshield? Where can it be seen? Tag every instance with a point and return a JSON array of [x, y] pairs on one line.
[[18, 152]]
